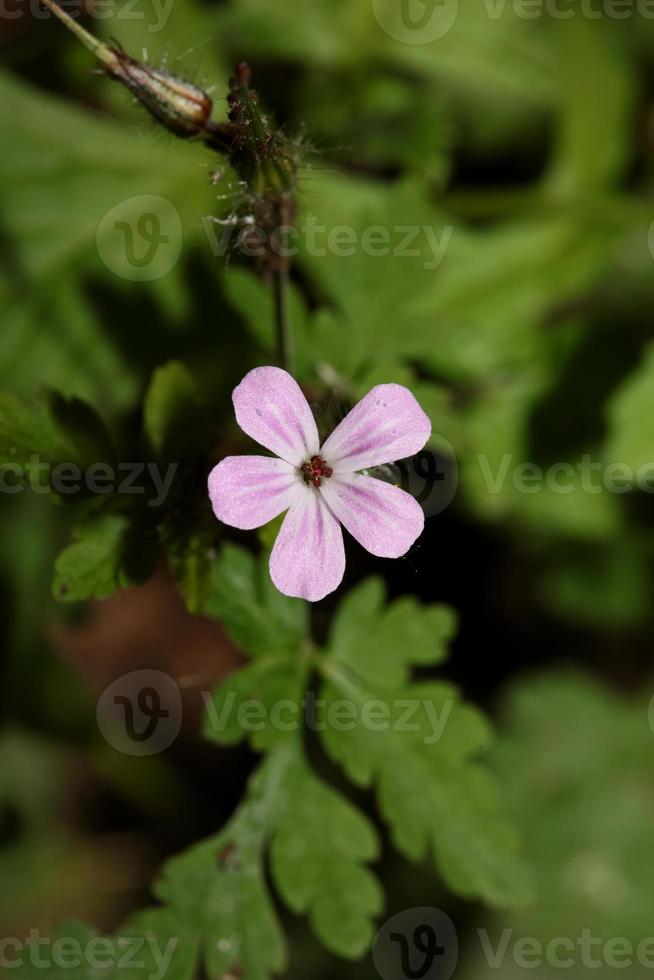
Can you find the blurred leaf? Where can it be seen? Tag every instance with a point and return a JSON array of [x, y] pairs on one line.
[[630, 415], [54, 430], [92, 164], [380, 121], [51, 335], [610, 590], [468, 55], [189, 555], [173, 415], [575, 760], [466, 304], [50, 227], [253, 299], [596, 106], [27, 431], [63, 955], [83, 429]]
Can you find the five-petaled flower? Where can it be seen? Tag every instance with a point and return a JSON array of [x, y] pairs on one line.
[[320, 486]]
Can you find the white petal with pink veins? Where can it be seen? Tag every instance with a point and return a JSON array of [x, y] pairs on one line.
[[387, 424], [248, 491], [308, 558], [382, 518], [271, 408]]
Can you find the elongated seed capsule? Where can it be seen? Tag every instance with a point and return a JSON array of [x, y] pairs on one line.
[[182, 107]]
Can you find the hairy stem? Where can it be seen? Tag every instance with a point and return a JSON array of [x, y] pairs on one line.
[[282, 320]]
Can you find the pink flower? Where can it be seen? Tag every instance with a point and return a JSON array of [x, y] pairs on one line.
[[320, 486]]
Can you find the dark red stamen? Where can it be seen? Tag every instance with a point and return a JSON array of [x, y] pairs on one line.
[[314, 471]]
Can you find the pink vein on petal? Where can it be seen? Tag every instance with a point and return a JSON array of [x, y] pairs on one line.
[[248, 491], [271, 408], [383, 518], [387, 424], [308, 558]]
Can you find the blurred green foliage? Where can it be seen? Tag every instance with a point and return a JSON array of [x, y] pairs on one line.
[[522, 319]]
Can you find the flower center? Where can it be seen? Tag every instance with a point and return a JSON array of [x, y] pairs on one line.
[[314, 470]]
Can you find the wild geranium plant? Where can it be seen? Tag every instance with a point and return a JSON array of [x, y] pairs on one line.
[[419, 755]]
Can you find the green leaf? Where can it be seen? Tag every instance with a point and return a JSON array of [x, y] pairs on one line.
[[259, 619], [630, 416], [107, 554], [53, 430], [189, 555], [174, 420], [320, 844], [215, 896], [83, 429], [419, 746], [263, 700], [409, 633], [27, 431]]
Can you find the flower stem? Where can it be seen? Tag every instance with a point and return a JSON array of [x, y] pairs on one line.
[[102, 51], [282, 319]]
